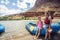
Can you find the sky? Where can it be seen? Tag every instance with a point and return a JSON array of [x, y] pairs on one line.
[[9, 7]]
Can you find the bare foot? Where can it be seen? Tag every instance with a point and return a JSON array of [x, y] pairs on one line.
[[44, 38], [49, 37], [35, 38]]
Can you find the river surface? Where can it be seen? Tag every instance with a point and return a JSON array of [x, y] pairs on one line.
[[15, 30]]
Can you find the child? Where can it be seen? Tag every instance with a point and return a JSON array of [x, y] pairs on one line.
[[39, 27]]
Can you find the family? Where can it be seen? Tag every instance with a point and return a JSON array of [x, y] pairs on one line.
[[47, 22]]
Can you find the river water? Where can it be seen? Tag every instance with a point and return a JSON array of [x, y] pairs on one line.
[[15, 30]]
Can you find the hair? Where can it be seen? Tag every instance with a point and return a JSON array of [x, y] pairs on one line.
[[50, 13], [39, 17]]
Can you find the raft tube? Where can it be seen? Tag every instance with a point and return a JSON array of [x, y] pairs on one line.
[[31, 27], [2, 28]]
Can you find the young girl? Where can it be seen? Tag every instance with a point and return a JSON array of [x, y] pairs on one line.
[[39, 27]]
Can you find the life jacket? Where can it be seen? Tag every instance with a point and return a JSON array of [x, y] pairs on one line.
[[47, 21]]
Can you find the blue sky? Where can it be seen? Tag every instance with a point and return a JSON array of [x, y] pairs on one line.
[[8, 7]]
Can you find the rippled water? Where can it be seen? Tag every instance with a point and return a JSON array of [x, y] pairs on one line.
[[16, 29]]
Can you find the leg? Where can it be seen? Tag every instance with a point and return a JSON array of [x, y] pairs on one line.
[[49, 35], [46, 35], [50, 31], [38, 33]]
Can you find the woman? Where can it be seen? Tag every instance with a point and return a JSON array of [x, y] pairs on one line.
[[48, 21]]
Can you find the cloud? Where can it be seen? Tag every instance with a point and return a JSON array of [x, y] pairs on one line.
[[3, 8], [21, 5], [2, 1], [5, 11], [6, 2], [13, 3], [32, 2], [21, 0], [25, 4]]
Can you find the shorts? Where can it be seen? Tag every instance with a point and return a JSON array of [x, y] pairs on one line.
[[47, 25], [39, 27]]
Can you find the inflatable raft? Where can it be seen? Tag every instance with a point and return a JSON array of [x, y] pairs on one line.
[[2, 28], [31, 27]]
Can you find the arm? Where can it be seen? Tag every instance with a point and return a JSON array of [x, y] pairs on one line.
[[42, 24], [50, 20]]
